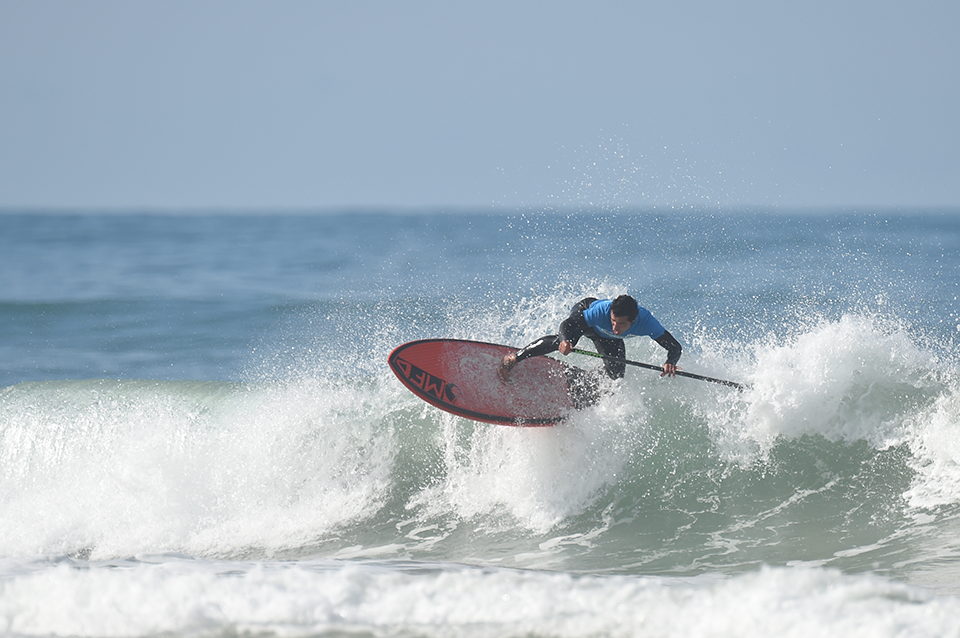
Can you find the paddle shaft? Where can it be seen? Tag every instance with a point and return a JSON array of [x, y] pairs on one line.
[[689, 375]]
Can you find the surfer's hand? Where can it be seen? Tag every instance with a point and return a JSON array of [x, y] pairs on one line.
[[565, 348], [669, 370]]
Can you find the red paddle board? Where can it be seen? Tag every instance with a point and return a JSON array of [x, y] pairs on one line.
[[461, 377]]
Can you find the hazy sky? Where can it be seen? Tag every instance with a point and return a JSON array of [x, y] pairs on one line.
[[479, 104]]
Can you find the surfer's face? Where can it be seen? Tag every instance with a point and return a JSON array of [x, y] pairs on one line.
[[620, 324]]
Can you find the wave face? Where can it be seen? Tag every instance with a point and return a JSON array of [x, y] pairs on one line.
[[834, 456]]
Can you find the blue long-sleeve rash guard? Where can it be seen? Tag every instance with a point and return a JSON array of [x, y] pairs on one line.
[[597, 317]]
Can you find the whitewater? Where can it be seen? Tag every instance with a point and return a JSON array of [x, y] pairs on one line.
[[199, 434]]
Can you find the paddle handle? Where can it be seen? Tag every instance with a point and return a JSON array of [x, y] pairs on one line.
[[680, 373]]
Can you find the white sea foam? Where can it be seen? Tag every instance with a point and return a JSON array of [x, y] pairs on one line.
[[852, 379], [858, 378], [125, 467], [186, 597], [935, 443], [539, 476]]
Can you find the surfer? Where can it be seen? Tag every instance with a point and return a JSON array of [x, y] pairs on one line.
[[606, 322]]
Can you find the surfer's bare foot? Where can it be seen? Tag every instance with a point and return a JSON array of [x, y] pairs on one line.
[[506, 366]]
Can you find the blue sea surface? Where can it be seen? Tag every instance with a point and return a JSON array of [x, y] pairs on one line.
[[197, 424]]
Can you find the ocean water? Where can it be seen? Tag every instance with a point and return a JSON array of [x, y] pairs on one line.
[[199, 435]]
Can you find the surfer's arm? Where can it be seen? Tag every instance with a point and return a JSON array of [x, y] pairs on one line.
[[572, 328], [570, 332], [673, 348]]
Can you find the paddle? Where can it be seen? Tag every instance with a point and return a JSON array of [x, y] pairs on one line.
[[689, 375]]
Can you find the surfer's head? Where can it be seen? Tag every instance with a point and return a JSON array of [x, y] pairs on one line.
[[623, 312]]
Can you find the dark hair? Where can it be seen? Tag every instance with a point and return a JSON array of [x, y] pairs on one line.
[[625, 306]]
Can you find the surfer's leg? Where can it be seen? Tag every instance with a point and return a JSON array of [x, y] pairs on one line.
[[540, 347], [612, 348], [572, 328]]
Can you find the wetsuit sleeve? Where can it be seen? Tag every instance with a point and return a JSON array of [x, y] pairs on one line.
[[671, 345], [572, 328], [575, 326]]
